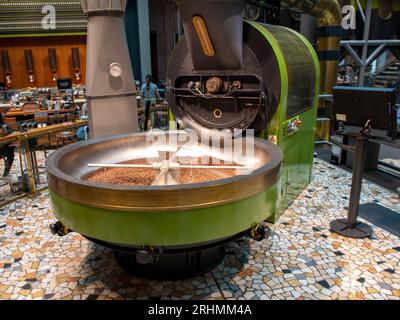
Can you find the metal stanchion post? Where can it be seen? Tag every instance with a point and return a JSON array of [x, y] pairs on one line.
[[29, 165], [350, 227]]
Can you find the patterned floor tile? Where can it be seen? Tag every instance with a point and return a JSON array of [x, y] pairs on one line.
[[301, 260]]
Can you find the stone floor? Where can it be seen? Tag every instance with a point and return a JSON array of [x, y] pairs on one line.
[[301, 260]]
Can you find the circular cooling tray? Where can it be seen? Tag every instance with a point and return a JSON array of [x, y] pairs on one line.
[[168, 215]]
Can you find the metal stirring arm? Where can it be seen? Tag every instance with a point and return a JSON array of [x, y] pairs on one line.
[[167, 166], [164, 177]]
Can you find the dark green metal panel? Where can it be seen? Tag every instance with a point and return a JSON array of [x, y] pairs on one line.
[[298, 149], [298, 159], [168, 228]]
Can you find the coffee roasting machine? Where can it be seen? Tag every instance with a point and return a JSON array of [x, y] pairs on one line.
[[224, 74]]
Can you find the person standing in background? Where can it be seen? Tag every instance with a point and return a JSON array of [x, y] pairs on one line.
[[149, 94], [149, 91]]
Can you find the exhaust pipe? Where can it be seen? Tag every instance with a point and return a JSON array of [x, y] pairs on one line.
[[329, 21]]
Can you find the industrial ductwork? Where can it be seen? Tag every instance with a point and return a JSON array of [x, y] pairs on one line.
[[110, 87], [329, 21]]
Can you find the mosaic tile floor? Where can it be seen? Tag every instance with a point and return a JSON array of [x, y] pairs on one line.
[[301, 260]]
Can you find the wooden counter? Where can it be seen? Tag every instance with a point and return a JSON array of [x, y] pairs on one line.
[[37, 132], [23, 138], [23, 113]]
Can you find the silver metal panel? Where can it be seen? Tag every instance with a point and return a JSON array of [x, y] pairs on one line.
[[112, 115], [111, 99]]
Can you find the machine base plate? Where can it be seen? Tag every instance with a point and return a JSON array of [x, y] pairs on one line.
[[172, 266]]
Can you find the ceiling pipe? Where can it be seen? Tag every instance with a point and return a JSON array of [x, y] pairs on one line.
[[329, 22]]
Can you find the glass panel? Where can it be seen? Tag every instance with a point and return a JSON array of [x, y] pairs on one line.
[[301, 70]]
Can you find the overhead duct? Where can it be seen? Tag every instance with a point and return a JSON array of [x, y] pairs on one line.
[[329, 22], [110, 87]]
